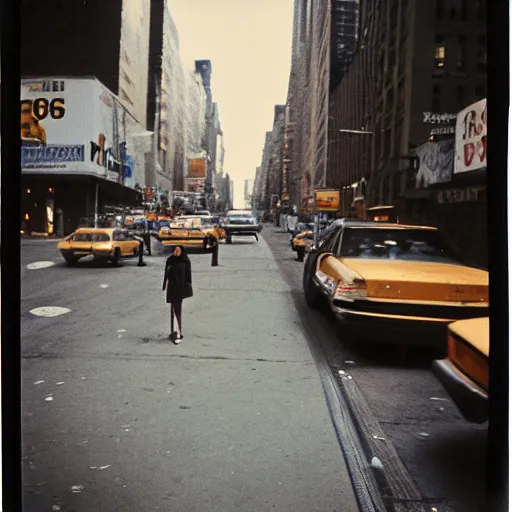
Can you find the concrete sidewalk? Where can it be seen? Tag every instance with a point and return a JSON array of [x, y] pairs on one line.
[[232, 420]]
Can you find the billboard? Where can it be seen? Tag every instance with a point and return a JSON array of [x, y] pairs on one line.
[[327, 200], [435, 163], [77, 127], [471, 138], [197, 168]]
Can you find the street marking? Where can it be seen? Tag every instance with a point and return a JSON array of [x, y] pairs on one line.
[[38, 382], [40, 264], [77, 488], [103, 285], [99, 468], [50, 311]]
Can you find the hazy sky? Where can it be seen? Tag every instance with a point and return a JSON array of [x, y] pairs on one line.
[[249, 45]]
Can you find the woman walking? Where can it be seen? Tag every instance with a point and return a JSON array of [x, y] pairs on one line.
[[178, 279]]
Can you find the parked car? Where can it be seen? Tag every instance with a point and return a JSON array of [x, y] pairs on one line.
[[393, 282], [240, 223], [465, 372], [109, 244]]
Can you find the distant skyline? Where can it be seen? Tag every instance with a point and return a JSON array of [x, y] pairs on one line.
[[249, 46]]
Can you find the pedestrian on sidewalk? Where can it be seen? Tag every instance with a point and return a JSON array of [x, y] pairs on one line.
[[178, 279]]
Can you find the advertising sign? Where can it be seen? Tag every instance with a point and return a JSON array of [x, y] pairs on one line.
[[327, 200], [471, 138], [435, 163], [76, 126], [197, 168]]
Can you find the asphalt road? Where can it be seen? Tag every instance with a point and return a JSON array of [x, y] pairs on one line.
[[116, 418], [444, 455]]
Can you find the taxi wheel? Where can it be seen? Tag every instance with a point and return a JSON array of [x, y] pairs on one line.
[[71, 260], [116, 257], [312, 294], [229, 240]]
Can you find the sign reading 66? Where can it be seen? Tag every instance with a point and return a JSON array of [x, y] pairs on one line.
[[42, 108]]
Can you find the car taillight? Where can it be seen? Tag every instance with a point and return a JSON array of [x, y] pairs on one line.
[[354, 289], [472, 363]]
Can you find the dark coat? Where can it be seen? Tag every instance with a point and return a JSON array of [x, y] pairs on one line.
[[178, 278]]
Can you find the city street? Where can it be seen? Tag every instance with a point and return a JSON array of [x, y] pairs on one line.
[[444, 455], [117, 418]]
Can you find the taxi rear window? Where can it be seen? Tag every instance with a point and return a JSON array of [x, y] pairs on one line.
[[100, 237], [83, 237], [92, 237]]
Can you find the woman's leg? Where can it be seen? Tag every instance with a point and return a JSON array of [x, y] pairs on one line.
[[177, 311], [172, 319]]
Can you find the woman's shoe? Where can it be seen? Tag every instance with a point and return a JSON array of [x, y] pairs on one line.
[[173, 336], [178, 340]]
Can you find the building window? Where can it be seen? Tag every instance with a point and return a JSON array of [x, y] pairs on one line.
[[460, 96], [440, 52], [461, 61], [439, 9]]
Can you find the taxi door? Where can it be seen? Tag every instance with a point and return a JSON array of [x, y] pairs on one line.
[[125, 244], [81, 244]]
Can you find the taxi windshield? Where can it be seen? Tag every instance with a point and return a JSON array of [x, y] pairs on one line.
[[397, 244]]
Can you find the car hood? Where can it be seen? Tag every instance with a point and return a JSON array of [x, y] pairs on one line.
[[474, 331], [413, 280]]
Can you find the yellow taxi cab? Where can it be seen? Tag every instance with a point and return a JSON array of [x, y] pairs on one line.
[[301, 243], [190, 232], [465, 372], [109, 244], [206, 224], [393, 282]]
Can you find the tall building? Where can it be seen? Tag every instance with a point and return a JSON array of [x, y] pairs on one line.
[[324, 35], [268, 182], [95, 55], [262, 199], [412, 72], [108, 40], [248, 188], [399, 72], [213, 130]]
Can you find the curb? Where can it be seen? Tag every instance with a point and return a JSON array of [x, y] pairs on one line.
[[397, 489]]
